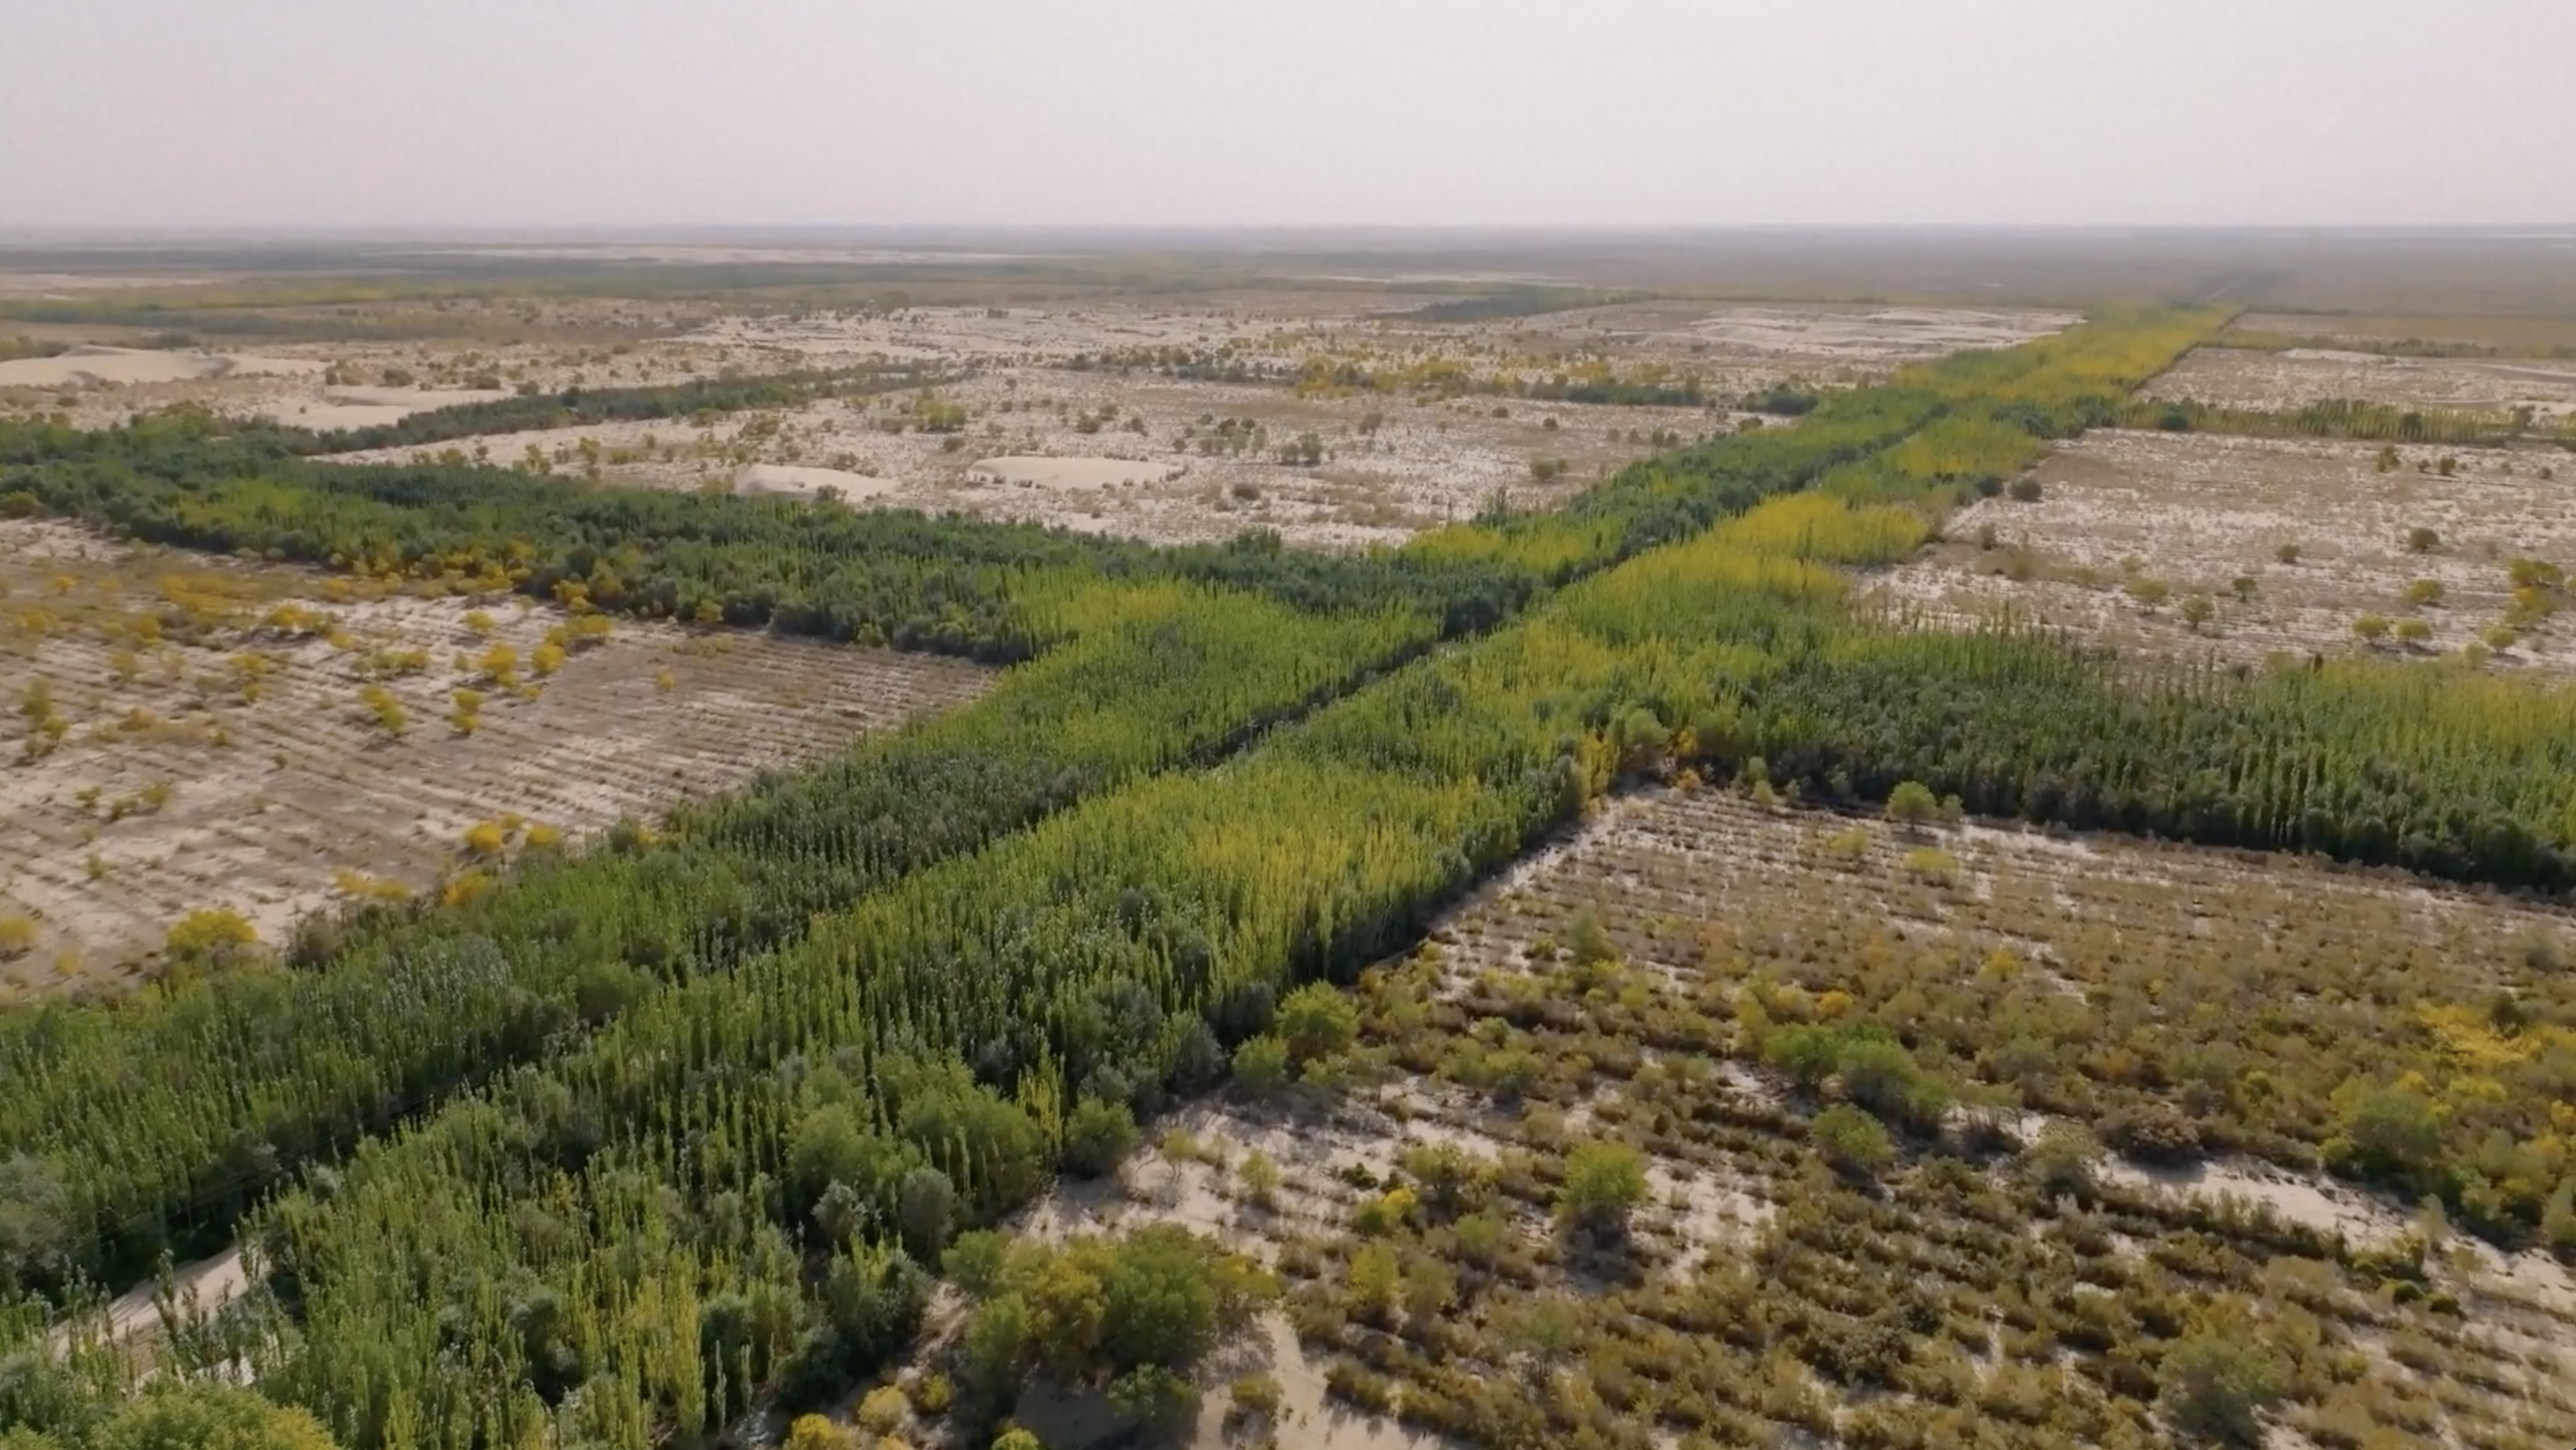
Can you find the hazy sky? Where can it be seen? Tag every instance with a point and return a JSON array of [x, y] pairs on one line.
[[601, 112]]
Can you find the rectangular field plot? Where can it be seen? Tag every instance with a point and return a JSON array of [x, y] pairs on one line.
[[1335, 429], [2536, 333], [1639, 985], [2243, 378], [2287, 544], [187, 735]]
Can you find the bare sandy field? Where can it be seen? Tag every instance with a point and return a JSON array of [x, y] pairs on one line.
[[214, 747], [103, 367], [2132, 525], [1824, 343], [1335, 425], [2241, 378], [326, 385], [24, 282], [2530, 332], [1732, 348], [1164, 459]]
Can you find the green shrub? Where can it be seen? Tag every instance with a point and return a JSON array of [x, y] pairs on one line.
[[1316, 1021], [2213, 1388], [974, 1263], [203, 1416], [1851, 1140], [1098, 1137], [1603, 1183], [1261, 1064], [2389, 1132]]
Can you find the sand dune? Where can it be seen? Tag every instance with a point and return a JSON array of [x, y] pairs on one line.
[[804, 482], [112, 366], [1071, 472], [371, 407]]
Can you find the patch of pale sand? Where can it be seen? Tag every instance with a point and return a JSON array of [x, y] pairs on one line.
[[2301, 1199], [355, 407], [114, 366], [2530, 1278], [1896, 332], [1148, 1189], [1153, 1187], [195, 1291], [1706, 1214], [2239, 377], [1307, 1418], [2013, 837], [2198, 512], [800, 481], [309, 784], [1036, 472]]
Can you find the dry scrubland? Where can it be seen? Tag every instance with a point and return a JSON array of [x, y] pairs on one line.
[[1060, 417], [333, 385], [1365, 426], [2297, 377], [1611, 990], [1061, 448], [187, 736], [2540, 332], [2134, 534]]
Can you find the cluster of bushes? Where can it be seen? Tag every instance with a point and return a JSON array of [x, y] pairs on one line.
[[2011, 1296]]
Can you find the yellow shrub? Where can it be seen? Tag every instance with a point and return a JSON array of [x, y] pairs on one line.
[[884, 1409], [212, 932], [1387, 1213], [813, 1432]]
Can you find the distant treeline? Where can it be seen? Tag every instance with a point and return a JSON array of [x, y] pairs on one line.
[[14, 348], [1515, 302], [2423, 347], [583, 407], [2349, 418], [953, 584]]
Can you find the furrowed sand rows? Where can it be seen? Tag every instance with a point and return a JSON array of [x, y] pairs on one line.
[[263, 741]]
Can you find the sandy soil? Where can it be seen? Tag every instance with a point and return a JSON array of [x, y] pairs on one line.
[[1064, 447], [100, 366], [2236, 377], [1682, 878], [2197, 512], [1840, 344], [343, 407], [1059, 473], [326, 385], [802, 482], [1112, 418], [16, 282], [228, 762], [2532, 332], [1204, 1192], [1685, 881], [1733, 347]]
